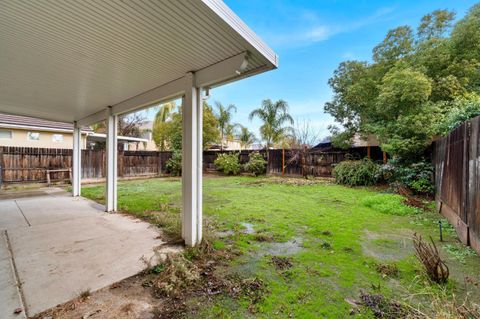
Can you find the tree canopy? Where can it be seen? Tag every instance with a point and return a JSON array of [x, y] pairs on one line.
[[414, 81], [167, 130]]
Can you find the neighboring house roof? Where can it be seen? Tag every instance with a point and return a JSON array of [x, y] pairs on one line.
[[25, 122], [357, 141]]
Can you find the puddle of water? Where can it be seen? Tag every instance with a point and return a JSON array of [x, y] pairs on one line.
[[248, 228], [389, 247], [290, 247]]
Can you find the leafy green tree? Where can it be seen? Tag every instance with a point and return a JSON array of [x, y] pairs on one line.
[[462, 110], [413, 83], [397, 44], [435, 25], [224, 117], [274, 117], [170, 131]]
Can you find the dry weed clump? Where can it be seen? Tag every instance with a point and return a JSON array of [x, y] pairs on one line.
[[177, 275], [281, 263], [435, 267], [383, 307], [387, 270], [450, 308]]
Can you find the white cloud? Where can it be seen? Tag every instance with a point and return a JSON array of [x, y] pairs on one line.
[[311, 30]]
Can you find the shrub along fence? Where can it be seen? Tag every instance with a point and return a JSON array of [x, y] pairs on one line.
[[27, 164], [457, 180]]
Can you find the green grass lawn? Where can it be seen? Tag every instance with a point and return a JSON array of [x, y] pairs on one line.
[[334, 237]]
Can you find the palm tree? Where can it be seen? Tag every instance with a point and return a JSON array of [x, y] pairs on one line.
[[159, 130], [224, 116], [165, 111], [274, 117], [245, 137]]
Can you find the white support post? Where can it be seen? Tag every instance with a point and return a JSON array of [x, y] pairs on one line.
[[191, 211], [111, 189], [199, 165], [76, 160]]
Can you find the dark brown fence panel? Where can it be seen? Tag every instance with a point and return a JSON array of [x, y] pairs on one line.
[[457, 180], [473, 177], [137, 163], [21, 164], [28, 164], [93, 164]]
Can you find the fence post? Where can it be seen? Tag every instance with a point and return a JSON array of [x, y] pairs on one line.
[[121, 163], [465, 176], [1, 166], [159, 163]]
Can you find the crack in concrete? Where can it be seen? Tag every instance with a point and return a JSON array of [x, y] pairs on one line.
[[21, 211], [17, 278]]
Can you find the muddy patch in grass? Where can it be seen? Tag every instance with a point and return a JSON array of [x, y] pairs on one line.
[[388, 247]]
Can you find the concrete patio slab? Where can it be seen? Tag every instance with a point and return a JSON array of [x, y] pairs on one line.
[[69, 246], [44, 210], [11, 216], [10, 299]]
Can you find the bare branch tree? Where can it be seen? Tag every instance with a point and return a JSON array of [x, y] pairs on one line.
[[304, 136]]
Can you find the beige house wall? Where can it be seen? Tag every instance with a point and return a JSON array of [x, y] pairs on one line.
[[20, 139]]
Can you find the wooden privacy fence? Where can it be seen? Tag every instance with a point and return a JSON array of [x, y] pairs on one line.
[[457, 180], [24, 164], [27, 164]]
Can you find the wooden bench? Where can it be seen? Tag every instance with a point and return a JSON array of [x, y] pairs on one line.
[[48, 171]]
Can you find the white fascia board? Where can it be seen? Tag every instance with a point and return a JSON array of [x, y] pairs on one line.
[[221, 72], [38, 128], [230, 18], [163, 93], [102, 136]]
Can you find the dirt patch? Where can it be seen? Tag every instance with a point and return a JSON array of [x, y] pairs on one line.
[[127, 299], [414, 200]]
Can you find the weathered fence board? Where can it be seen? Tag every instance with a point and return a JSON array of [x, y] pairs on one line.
[[23, 164], [457, 180]]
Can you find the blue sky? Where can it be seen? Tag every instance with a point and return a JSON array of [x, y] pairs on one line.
[[311, 39]]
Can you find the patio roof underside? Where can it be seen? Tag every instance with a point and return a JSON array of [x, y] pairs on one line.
[[68, 60]]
